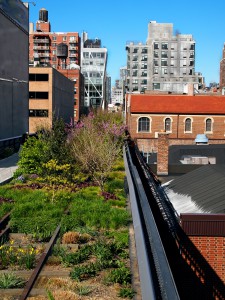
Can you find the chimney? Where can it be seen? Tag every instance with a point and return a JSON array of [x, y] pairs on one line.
[[163, 153], [191, 89]]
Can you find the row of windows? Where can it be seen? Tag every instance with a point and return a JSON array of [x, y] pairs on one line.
[[43, 113], [144, 125]]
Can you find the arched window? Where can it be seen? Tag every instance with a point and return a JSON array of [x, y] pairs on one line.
[[208, 125], [143, 124], [187, 126], [168, 125]]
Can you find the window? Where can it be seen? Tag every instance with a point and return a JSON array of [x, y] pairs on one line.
[[38, 77], [156, 46], [164, 54], [54, 38], [187, 125], [163, 62], [168, 125], [143, 124], [156, 86], [64, 38], [38, 95], [156, 54], [38, 113], [208, 125], [165, 46], [156, 71]]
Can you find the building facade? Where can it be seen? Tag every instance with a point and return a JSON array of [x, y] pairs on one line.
[[165, 63], [183, 117], [60, 50], [51, 95], [93, 68], [13, 75], [222, 72]]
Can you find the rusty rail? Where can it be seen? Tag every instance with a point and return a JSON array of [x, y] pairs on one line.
[[41, 262]]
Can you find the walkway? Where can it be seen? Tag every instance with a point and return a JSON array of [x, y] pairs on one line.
[[7, 167]]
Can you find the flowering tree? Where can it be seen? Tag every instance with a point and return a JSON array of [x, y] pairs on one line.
[[96, 143]]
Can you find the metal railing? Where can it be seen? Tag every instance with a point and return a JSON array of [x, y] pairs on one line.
[[155, 275]]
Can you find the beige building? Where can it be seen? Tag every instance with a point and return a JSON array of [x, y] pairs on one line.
[[50, 94]]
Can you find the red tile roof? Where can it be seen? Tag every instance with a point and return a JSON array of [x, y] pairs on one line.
[[178, 104]]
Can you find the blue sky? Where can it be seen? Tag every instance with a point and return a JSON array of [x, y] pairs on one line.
[[116, 22]]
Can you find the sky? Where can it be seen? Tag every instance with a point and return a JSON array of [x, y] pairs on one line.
[[120, 21]]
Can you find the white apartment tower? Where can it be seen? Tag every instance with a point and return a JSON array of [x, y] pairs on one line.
[[93, 68], [165, 63]]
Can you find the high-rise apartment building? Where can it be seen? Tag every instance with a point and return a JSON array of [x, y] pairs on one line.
[[165, 63], [222, 72], [93, 68], [60, 50]]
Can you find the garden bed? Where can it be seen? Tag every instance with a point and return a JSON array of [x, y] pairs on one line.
[[91, 257]]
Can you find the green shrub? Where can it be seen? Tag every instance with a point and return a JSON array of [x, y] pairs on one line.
[[121, 275], [11, 281], [126, 292], [84, 272]]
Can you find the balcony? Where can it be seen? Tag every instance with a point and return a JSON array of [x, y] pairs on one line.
[[37, 41], [43, 55], [41, 47], [72, 54]]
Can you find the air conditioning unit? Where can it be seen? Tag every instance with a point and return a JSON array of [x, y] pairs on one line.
[[156, 135]]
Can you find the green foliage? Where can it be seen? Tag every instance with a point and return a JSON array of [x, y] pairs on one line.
[[32, 156], [96, 144], [75, 258], [11, 281], [84, 272], [126, 292], [83, 290], [120, 275], [50, 296], [48, 154], [90, 211]]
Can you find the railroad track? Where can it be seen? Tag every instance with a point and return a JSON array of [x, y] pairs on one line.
[[31, 276]]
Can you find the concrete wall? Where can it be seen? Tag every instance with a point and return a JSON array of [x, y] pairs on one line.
[[63, 97], [13, 79]]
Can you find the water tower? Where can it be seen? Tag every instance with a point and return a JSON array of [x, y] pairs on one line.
[[43, 15]]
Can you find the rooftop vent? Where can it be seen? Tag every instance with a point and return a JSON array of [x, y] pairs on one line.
[[201, 139]]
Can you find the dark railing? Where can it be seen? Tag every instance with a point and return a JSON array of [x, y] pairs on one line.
[[160, 283], [10, 146], [194, 277]]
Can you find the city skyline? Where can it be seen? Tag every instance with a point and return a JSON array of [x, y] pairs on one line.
[[121, 22]]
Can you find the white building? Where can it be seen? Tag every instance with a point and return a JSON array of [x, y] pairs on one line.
[[93, 68], [165, 63]]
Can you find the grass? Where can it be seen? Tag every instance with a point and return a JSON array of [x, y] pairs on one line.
[[101, 222], [11, 281]]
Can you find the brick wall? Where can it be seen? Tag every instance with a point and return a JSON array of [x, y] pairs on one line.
[[148, 140], [213, 250], [162, 156]]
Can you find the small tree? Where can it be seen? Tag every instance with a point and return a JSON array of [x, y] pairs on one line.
[[96, 147]]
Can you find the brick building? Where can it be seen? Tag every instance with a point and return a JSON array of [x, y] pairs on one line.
[[50, 95], [60, 50], [180, 116]]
